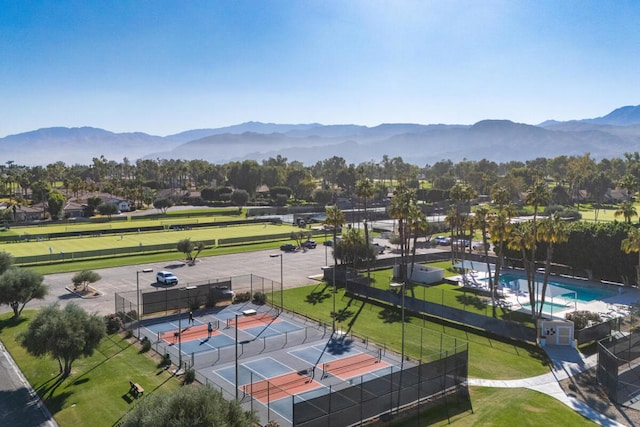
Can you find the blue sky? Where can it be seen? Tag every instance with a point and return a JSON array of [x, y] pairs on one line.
[[162, 67]]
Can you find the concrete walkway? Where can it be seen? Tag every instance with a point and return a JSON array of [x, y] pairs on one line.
[[567, 362]]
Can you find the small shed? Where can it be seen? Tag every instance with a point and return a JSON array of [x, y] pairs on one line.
[[556, 332]]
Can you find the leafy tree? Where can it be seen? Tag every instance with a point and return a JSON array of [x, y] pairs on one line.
[[92, 205], [299, 236], [162, 204], [188, 406], [84, 278], [239, 198], [186, 247], [323, 197], [66, 334], [18, 286], [55, 204], [6, 261], [199, 246], [107, 209]]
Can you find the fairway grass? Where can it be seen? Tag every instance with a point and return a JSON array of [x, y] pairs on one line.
[[134, 240], [96, 393]]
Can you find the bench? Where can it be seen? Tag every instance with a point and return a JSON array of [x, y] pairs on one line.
[[136, 389]]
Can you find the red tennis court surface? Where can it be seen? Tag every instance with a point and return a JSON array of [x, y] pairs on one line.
[[353, 366], [281, 386], [251, 321], [187, 334]]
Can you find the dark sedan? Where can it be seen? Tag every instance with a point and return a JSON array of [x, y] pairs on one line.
[[288, 247]]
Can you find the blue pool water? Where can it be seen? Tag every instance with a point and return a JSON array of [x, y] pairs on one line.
[[582, 294], [550, 307]]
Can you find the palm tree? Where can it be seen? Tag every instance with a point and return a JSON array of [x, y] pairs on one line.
[[335, 218], [626, 210], [523, 239], [500, 230], [400, 209], [482, 222], [364, 190], [630, 183], [551, 231], [419, 226], [538, 195], [632, 244]]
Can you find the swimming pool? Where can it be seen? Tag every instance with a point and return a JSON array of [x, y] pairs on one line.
[[557, 289], [550, 307]]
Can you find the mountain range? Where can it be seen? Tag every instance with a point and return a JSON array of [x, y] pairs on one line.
[[608, 136]]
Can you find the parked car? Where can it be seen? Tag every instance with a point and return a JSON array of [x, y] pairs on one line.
[[328, 242], [479, 246], [225, 292], [442, 240], [462, 243], [309, 244], [166, 278], [379, 248], [288, 247]]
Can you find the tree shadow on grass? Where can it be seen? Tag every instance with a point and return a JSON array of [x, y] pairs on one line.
[[393, 315], [56, 403], [316, 297], [12, 322], [472, 300]]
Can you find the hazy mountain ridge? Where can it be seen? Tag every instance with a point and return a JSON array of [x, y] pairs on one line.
[[498, 140]]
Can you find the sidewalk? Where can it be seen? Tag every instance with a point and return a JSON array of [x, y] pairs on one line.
[[567, 362]]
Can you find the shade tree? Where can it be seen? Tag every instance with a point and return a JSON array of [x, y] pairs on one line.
[[64, 334]]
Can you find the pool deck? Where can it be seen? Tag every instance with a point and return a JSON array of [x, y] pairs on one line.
[[611, 307]]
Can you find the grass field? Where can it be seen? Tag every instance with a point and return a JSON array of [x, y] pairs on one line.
[[96, 393], [423, 338], [85, 227], [502, 407], [89, 243], [453, 295]]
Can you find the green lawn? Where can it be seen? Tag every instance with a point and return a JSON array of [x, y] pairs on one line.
[[452, 295], [502, 407], [88, 243], [423, 339], [96, 393], [88, 226]]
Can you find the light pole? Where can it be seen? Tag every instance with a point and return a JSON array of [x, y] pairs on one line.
[[188, 289], [281, 280], [145, 270], [325, 247], [244, 313]]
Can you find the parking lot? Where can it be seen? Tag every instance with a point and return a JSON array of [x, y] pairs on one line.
[[299, 268]]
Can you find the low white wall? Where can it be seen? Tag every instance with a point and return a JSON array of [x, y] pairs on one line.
[[421, 273]]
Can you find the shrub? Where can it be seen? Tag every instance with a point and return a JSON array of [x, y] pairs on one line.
[[259, 298], [189, 376], [146, 345], [113, 323], [243, 297], [128, 334], [131, 315], [166, 360], [581, 319]]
